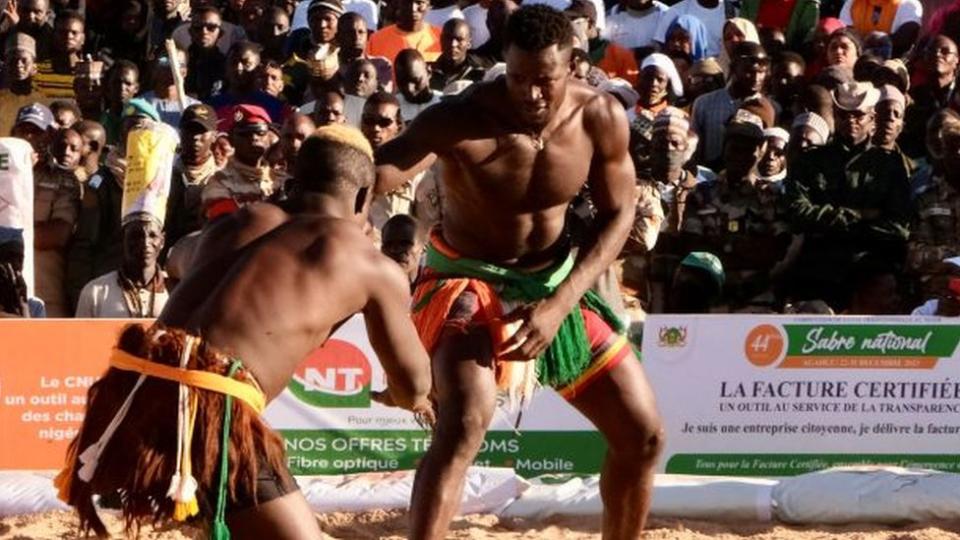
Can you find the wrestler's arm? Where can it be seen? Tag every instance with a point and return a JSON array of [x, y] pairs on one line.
[[612, 184], [414, 150], [393, 336]]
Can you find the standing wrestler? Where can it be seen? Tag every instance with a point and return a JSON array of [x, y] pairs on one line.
[[519, 151], [266, 288]]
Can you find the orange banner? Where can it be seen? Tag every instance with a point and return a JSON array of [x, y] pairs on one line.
[[46, 368]]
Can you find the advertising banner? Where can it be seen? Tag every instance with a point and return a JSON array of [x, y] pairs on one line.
[[326, 416], [781, 395]]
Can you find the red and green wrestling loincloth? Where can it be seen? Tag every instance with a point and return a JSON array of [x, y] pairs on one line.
[[459, 292]]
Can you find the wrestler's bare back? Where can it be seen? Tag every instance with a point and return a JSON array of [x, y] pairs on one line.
[[269, 287], [505, 199]]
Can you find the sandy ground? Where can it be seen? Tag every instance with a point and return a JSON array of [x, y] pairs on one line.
[[392, 526]]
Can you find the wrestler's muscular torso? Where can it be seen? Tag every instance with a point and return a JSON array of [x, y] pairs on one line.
[[269, 287], [505, 199]]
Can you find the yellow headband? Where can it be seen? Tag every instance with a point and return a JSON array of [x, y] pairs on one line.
[[343, 134]]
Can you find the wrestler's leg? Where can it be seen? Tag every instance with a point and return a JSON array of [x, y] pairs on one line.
[[285, 518], [621, 405], [464, 383]]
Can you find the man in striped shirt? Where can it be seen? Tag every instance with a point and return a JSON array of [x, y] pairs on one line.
[[54, 77]]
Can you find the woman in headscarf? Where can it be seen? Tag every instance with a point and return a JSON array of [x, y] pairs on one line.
[[659, 84], [688, 35], [736, 30], [817, 53]]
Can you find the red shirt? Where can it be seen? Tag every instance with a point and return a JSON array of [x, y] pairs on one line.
[[775, 13]]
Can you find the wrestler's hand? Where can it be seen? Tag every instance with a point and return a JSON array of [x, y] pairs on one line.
[[422, 408], [540, 324]]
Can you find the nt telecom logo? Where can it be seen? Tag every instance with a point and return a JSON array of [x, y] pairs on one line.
[[335, 375]]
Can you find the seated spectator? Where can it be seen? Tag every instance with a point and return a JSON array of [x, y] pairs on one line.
[[874, 288], [88, 88], [899, 18], [492, 51], [270, 79], [808, 130], [613, 59], [786, 83], [352, 37], [65, 113], [137, 289], [843, 49], [192, 171], [878, 43], [711, 13], [206, 59], [94, 143], [736, 30], [402, 240], [704, 77], [659, 84], [772, 168], [795, 19], [940, 61], [456, 62], [687, 35], [847, 198], [241, 86], [413, 84], [54, 77], [360, 78], [225, 34], [295, 130], [936, 219], [817, 45], [247, 177], [944, 291], [33, 18], [696, 285], [164, 95], [20, 54], [273, 31], [634, 25], [749, 69], [123, 84], [327, 109], [56, 205], [890, 110], [741, 219], [411, 31]]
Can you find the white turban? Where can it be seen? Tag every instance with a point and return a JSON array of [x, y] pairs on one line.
[[665, 64]]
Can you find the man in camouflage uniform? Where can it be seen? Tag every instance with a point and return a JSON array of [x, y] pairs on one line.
[[740, 219], [847, 199], [935, 234]]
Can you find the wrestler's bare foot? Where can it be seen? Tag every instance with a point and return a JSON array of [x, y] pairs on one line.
[[285, 518], [621, 405]]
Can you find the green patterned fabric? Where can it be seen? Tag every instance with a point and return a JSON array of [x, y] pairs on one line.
[[569, 353]]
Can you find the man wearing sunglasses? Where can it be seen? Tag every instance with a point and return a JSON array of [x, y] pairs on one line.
[[247, 177], [206, 62]]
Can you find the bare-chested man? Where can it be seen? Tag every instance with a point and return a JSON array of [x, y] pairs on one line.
[[515, 152], [265, 288]]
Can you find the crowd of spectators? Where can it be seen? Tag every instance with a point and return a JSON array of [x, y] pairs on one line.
[[790, 155]]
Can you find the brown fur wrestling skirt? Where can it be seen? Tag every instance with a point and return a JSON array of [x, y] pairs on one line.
[[138, 461]]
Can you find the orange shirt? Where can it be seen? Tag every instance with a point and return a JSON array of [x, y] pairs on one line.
[[389, 41], [620, 62]]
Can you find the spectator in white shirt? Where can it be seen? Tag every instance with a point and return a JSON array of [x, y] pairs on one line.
[[635, 25]]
